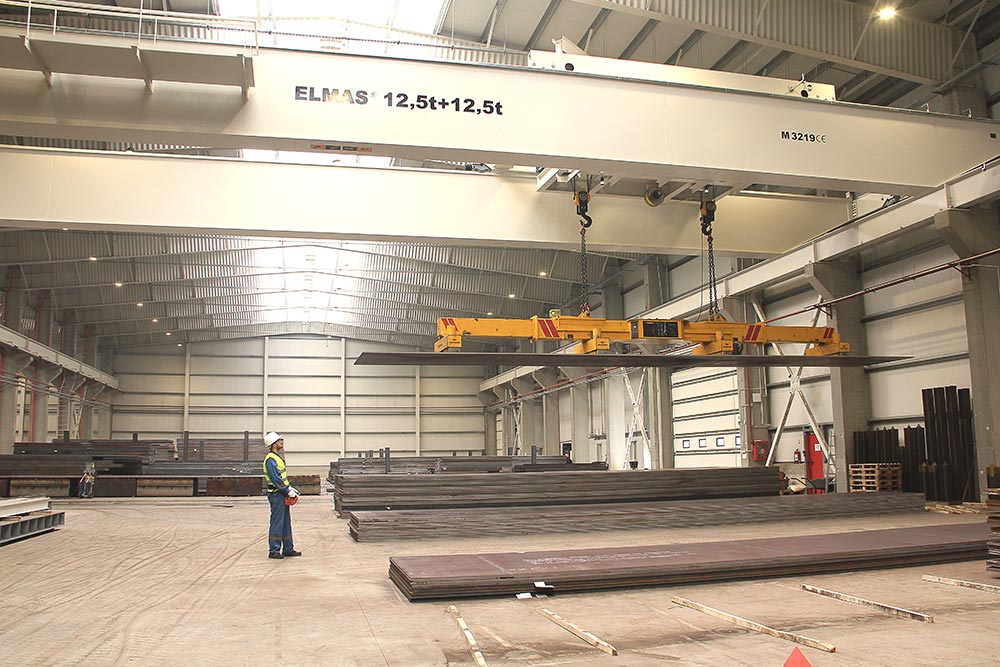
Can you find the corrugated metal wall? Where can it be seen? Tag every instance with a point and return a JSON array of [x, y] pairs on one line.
[[303, 394], [706, 418]]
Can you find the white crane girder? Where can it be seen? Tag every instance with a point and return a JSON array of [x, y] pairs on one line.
[[306, 101], [94, 190]]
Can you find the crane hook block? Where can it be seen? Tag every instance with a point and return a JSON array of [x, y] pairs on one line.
[[582, 201]]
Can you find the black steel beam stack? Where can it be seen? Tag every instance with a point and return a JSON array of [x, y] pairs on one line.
[[883, 446], [950, 467]]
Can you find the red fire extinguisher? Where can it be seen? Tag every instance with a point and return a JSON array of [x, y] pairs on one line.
[[797, 456]]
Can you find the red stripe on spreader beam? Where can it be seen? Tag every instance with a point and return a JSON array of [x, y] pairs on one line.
[[549, 328], [828, 333]]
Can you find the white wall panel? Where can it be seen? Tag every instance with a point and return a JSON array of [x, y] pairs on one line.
[[897, 393], [303, 397], [927, 333], [708, 460]]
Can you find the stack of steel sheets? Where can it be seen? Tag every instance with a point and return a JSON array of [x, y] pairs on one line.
[[548, 519], [993, 512], [429, 465], [398, 492], [478, 575]]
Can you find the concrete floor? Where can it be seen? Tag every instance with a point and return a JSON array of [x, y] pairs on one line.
[[187, 582]]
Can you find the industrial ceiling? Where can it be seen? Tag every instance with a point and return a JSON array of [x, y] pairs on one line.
[[136, 288]]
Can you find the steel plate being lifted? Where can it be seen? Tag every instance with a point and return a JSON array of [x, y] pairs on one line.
[[609, 360]]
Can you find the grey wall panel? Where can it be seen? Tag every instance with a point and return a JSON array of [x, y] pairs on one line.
[[232, 384], [149, 363], [226, 365], [385, 386], [321, 347], [151, 400], [129, 382], [224, 400], [305, 366], [301, 386], [467, 423]]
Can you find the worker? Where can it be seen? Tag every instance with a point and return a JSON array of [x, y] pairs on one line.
[[279, 537], [569, 459]]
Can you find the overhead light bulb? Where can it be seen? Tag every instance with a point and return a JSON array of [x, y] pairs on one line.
[[511, 295], [180, 344], [139, 305], [168, 333], [543, 273], [489, 314], [155, 320], [92, 258], [887, 13], [118, 284]]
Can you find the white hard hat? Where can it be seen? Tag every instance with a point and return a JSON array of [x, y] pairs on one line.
[[271, 438]]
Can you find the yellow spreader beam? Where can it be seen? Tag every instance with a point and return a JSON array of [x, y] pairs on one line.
[[593, 334]]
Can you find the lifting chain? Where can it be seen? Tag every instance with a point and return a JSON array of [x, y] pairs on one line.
[[707, 218], [582, 199]]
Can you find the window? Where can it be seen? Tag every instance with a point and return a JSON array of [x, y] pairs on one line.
[[739, 440], [686, 444], [702, 443], [720, 441]]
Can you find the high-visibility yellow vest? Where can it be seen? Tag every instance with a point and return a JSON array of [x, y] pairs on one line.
[[271, 488]]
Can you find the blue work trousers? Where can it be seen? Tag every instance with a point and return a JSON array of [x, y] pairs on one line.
[[280, 533]]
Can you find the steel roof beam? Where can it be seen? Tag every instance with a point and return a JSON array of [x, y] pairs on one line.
[[909, 49]]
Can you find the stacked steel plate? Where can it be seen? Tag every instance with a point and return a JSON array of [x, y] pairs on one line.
[[478, 575], [993, 512], [398, 492], [430, 465], [547, 519]]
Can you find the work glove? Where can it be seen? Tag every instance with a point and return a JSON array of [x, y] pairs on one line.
[[292, 492]]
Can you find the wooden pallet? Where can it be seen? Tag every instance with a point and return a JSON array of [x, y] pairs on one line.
[[869, 477]]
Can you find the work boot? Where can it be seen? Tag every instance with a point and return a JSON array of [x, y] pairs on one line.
[[275, 555], [293, 552]]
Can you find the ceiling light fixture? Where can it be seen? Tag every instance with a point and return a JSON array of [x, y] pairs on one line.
[[92, 258], [489, 314], [180, 344], [887, 13], [140, 304], [511, 295], [118, 284], [168, 333], [155, 320], [543, 273]]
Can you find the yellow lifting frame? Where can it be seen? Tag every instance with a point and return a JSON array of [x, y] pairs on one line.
[[594, 334]]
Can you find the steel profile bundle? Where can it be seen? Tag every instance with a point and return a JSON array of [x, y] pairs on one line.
[[481, 575], [399, 492], [374, 526], [24, 517], [950, 472]]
